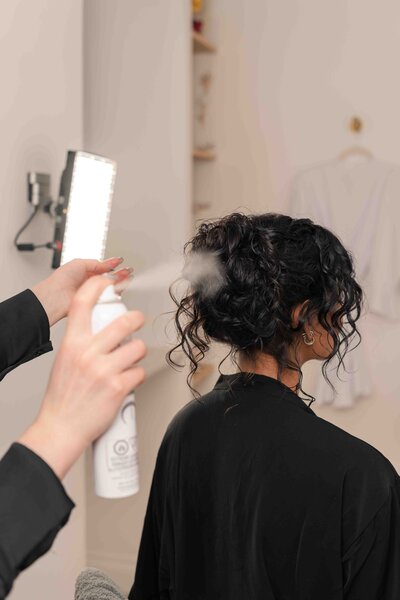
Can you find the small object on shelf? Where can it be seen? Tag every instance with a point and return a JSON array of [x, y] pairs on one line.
[[201, 44], [203, 154], [203, 100], [198, 25], [197, 5]]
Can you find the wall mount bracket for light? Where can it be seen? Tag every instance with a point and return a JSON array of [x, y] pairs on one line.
[[40, 199]]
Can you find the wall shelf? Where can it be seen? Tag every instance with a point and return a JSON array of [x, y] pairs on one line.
[[201, 44], [203, 154]]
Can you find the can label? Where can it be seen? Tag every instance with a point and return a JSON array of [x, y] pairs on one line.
[[122, 450], [119, 448]]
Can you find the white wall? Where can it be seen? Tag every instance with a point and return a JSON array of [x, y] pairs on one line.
[[137, 111], [40, 118], [289, 76]]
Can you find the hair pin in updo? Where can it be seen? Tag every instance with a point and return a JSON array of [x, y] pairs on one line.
[[204, 271]]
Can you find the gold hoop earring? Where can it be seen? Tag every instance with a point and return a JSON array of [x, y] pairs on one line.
[[306, 340]]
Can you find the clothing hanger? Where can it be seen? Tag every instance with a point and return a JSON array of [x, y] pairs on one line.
[[356, 151]]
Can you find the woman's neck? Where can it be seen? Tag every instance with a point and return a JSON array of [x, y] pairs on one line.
[[265, 364]]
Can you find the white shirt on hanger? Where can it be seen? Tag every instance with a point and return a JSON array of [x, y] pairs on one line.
[[355, 200]]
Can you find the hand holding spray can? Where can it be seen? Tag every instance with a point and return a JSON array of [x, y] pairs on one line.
[[115, 456]]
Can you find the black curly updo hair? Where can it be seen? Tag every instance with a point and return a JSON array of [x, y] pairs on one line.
[[267, 265]]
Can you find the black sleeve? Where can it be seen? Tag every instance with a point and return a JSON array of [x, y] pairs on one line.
[[33, 508], [24, 331], [371, 565]]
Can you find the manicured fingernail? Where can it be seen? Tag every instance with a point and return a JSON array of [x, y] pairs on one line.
[[117, 260], [125, 272]]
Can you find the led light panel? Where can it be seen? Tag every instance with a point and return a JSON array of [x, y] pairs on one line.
[[86, 193]]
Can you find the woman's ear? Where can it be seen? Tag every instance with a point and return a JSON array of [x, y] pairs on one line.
[[296, 312]]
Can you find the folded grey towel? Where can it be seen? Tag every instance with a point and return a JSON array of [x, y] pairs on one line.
[[93, 584]]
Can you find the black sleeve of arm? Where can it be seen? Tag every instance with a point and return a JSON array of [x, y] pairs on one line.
[[24, 331], [371, 565], [33, 508]]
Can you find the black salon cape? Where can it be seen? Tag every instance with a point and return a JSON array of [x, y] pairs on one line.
[[254, 497], [33, 503]]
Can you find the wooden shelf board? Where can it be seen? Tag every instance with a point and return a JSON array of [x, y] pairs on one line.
[[201, 44], [203, 154]]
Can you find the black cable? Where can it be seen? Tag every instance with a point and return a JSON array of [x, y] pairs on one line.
[[30, 247], [18, 235], [50, 245]]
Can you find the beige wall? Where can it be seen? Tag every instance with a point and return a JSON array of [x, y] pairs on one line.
[[137, 111], [289, 75], [41, 117]]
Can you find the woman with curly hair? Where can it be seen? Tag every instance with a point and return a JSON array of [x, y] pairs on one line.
[[254, 497]]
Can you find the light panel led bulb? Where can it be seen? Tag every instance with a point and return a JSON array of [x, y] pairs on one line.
[[87, 190]]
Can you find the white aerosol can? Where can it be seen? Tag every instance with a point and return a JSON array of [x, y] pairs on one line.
[[115, 457]]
